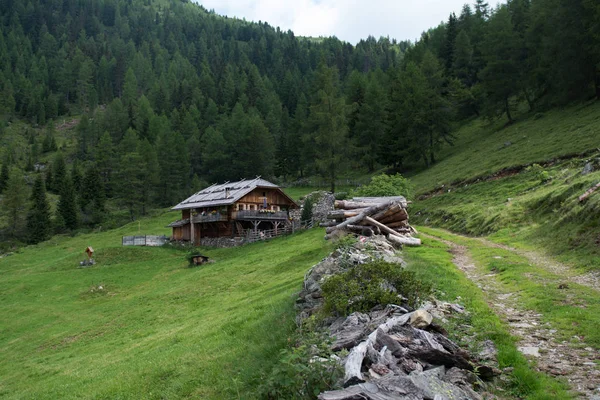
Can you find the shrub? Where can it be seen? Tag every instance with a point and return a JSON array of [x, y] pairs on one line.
[[304, 371], [368, 285], [307, 210], [340, 195], [539, 173], [385, 185]]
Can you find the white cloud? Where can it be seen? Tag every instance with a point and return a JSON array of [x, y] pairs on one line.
[[349, 20]]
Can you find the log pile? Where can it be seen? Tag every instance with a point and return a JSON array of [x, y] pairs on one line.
[[368, 216]]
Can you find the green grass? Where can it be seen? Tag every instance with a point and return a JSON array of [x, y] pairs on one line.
[[482, 149], [523, 211], [157, 329], [572, 311], [297, 192], [433, 263]]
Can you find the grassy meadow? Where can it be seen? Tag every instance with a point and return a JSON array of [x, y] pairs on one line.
[[140, 323]]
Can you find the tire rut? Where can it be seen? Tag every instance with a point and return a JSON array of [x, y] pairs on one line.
[[536, 339]]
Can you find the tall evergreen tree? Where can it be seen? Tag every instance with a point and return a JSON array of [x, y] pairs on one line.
[[371, 123], [500, 78], [14, 202], [327, 121], [4, 175], [49, 143], [92, 197], [39, 226], [67, 210]]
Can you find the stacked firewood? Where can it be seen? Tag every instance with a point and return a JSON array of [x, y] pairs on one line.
[[370, 216]]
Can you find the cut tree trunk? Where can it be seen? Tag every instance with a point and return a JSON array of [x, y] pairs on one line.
[[353, 205], [589, 192], [404, 240], [341, 214]]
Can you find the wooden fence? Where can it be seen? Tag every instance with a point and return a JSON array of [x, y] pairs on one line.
[[255, 236], [145, 240]]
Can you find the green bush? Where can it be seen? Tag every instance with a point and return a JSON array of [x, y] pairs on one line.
[[307, 210], [304, 371], [385, 185], [340, 195], [365, 286], [539, 173]]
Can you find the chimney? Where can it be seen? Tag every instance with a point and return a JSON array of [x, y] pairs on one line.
[[226, 192]]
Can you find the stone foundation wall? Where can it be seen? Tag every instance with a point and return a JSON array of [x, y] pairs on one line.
[[222, 242]]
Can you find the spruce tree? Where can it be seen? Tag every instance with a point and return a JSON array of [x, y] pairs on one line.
[[67, 208], [92, 197], [39, 226], [327, 121], [59, 169], [14, 202], [4, 175], [49, 143]]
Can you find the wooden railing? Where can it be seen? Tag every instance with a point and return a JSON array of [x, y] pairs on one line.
[[199, 218], [144, 240], [262, 215], [255, 236]]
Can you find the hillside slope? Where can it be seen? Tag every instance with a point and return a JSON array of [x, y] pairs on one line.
[[140, 324], [483, 187]]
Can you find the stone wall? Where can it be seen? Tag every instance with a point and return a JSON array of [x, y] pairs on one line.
[[222, 242]]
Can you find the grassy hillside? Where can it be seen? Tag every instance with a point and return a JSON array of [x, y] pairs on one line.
[[140, 324], [482, 149], [534, 207]]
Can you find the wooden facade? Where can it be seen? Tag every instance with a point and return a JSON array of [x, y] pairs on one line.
[[232, 210]]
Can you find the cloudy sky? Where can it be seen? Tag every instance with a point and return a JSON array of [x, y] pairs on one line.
[[349, 20]]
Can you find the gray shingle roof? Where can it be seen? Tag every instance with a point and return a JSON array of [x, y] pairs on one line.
[[224, 194]]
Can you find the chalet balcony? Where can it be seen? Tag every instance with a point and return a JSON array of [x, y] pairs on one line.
[[199, 218], [248, 215]]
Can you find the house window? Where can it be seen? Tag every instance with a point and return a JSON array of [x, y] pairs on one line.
[[252, 206], [240, 207]]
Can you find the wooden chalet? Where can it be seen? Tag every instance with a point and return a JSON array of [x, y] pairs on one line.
[[233, 209]]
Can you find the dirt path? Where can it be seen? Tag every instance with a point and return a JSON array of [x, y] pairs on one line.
[[536, 339], [590, 279]]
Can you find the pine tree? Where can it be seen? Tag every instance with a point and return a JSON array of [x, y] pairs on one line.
[[49, 143], [59, 170], [327, 121], [76, 176], [462, 65], [92, 197], [67, 210], [500, 78], [371, 123], [39, 227], [130, 183], [14, 202], [105, 161], [4, 175], [150, 175]]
